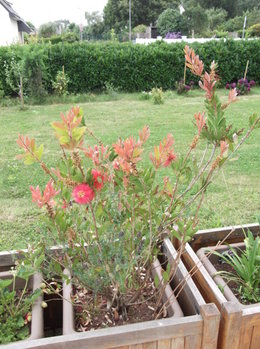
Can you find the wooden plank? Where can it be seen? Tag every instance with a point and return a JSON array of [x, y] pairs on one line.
[[150, 345], [206, 285], [230, 326], [178, 343], [193, 342], [255, 339], [122, 335], [190, 296], [136, 346], [124, 347], [164, 344], [211, 317], [211, 237]]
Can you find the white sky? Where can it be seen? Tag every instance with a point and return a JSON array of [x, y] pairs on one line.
[[42, 11]]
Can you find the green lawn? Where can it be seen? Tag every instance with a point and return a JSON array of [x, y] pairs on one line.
[[232, 199]]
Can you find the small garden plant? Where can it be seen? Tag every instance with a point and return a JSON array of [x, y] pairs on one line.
[[246, 268], [157, 95], [109, 208], [16, 304]]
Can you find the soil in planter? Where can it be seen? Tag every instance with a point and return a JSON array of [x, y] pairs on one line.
[[222, 266], [53, 315], [143, 309]]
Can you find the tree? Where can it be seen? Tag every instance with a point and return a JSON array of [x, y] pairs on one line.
[[195, 17], [116, 12], [171, 21], [46, 30], [216, 16], [95, 26]]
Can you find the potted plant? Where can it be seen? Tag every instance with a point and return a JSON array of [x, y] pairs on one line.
[[239, 322], [109, 212]]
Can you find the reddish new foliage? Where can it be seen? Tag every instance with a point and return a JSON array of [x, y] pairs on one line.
[[47, 197], [129, 151], [164, 153], [200, 121], [223, 148], [193, 62], [98, 154]]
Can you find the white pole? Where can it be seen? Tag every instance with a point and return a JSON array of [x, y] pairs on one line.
[[130, 19], [244, 27]]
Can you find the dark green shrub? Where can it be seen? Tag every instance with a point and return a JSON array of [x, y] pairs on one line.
[[129, 67]]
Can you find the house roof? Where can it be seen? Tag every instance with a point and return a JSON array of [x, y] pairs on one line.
[[22, 26]]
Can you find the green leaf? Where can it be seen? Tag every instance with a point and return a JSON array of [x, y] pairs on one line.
[[5, 283], [156, 280]]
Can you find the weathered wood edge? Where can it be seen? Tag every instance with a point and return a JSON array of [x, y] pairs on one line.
[[182, 274], [121, 335], [210, 237], [202, 276]]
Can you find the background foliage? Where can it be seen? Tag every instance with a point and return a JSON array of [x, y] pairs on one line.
[[127, 67]]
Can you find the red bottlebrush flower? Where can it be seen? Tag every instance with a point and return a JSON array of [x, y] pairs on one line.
[[193, 62], [83, 194], [47, 197], [200, 121], [99, 179]]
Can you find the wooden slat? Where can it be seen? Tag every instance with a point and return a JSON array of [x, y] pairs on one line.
[[255, 340], [211, 237], [178, 343], [193, 342], [150, 345], [230, 326], [206, 285], [190, 296], [125, 347], [164, 344], [211, 317], [122, 335], [136, 346]]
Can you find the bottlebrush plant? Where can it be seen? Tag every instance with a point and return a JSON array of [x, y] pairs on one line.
[[110, 210]]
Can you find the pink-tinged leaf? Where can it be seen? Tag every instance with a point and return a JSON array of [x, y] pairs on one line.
[[232, 96], [47, 197], [223, 148], [200, 121], [144, 134], [193, 62], [164, 153]]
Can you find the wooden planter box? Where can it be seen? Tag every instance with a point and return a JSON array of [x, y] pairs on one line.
[[239, 325], [197, 329]]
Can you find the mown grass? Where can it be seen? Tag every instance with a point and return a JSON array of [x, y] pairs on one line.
[[233, 198]]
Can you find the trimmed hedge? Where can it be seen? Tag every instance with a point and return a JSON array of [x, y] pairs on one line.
[[131, 67]]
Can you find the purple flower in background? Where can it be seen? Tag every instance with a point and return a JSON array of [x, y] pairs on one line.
[[238, 92], [248, 89], [173, 35], [252, 83], [241, 81], [227, 86], [233, 85], [245, 81], [191, 82], [187, 87]]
